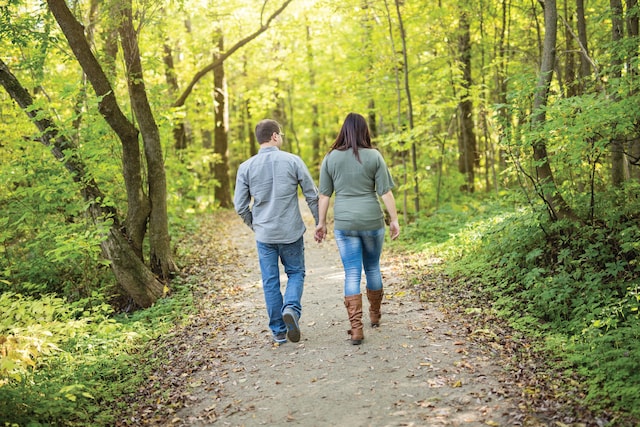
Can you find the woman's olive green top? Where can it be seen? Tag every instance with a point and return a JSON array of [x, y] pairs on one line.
[[357, 185]]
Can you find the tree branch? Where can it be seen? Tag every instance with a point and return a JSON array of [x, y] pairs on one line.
[[220, 59]]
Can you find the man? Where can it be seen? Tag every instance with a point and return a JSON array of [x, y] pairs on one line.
[[271, 178]]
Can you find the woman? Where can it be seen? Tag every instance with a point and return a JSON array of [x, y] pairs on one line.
[[357, 174]]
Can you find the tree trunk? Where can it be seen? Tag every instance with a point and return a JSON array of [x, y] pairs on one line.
[[220, 58], [138, 205], [570, 84], [501, 82], [466, 137], [316, 157], [617, 145], [585, 65], [180, 137], [407, 90], [130, 272], [221, 133], [160, 256], [556, 205], [633, 32]]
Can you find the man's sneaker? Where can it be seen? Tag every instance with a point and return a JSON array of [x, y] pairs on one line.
[[281, 338], [291, 320]]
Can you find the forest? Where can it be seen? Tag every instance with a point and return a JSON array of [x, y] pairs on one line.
[[511, 128]]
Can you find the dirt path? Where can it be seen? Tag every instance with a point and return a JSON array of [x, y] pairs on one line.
[[417, 369]]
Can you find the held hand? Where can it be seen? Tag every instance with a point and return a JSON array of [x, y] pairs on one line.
[[394, 229], [321, 233]]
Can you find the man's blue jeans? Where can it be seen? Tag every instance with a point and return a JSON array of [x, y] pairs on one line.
[[358, 250], [292, 257]]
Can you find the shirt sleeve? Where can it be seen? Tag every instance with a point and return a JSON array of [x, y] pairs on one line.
[[309, 189], [326, 180], [384, 181], [242, 198]]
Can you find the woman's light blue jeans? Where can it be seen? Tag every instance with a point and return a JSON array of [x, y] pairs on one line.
[[358, 250], [292, 257]]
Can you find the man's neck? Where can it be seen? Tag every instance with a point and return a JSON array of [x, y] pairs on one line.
[[269, 144]]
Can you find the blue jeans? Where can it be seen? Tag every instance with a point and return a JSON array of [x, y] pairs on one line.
[[358, 250], [292, 257]]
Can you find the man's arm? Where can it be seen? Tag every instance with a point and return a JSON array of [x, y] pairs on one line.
[[242, 199], [309, 190]]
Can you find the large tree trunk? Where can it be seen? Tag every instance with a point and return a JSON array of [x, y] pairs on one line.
[[138, 204], [221, 133], [141, 210], [546, 186], [160, 256], [466, 137], [130, 272]]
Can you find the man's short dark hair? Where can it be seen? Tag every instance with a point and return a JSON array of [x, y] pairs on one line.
[[265, 129]]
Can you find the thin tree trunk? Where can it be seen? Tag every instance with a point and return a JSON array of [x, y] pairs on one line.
[[617, 145], [556, 205], [399, 113], [570, 84], [407, 89], [315, 115], [633, 32], [180, 139], [501, 81], [585, 63]]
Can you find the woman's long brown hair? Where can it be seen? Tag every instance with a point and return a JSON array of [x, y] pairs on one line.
[[354, 134]]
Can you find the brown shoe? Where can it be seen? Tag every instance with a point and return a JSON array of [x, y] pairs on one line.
[[354, 310], [375, 300]]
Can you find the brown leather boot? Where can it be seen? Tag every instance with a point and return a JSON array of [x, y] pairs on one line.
[[354, 310], [375, 299]]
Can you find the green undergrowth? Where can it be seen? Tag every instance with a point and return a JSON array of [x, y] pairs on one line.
[[70, 364], [574, 288]]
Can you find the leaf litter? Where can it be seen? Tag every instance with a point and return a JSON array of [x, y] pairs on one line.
[[432, 361]]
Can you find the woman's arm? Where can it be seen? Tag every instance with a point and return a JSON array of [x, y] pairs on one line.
[[321, 228], [390, 204]]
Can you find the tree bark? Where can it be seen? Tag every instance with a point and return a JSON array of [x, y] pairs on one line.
[[138, 204], [547, 189], [130, 272], [316, 157], [142, 210], [160, 257], [407, 90], [585, 64], [467, 138], [633, 31], [617, 145], [180, 137], [221, 132]]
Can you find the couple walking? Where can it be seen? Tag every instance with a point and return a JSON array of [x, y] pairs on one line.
[[266, 197]]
